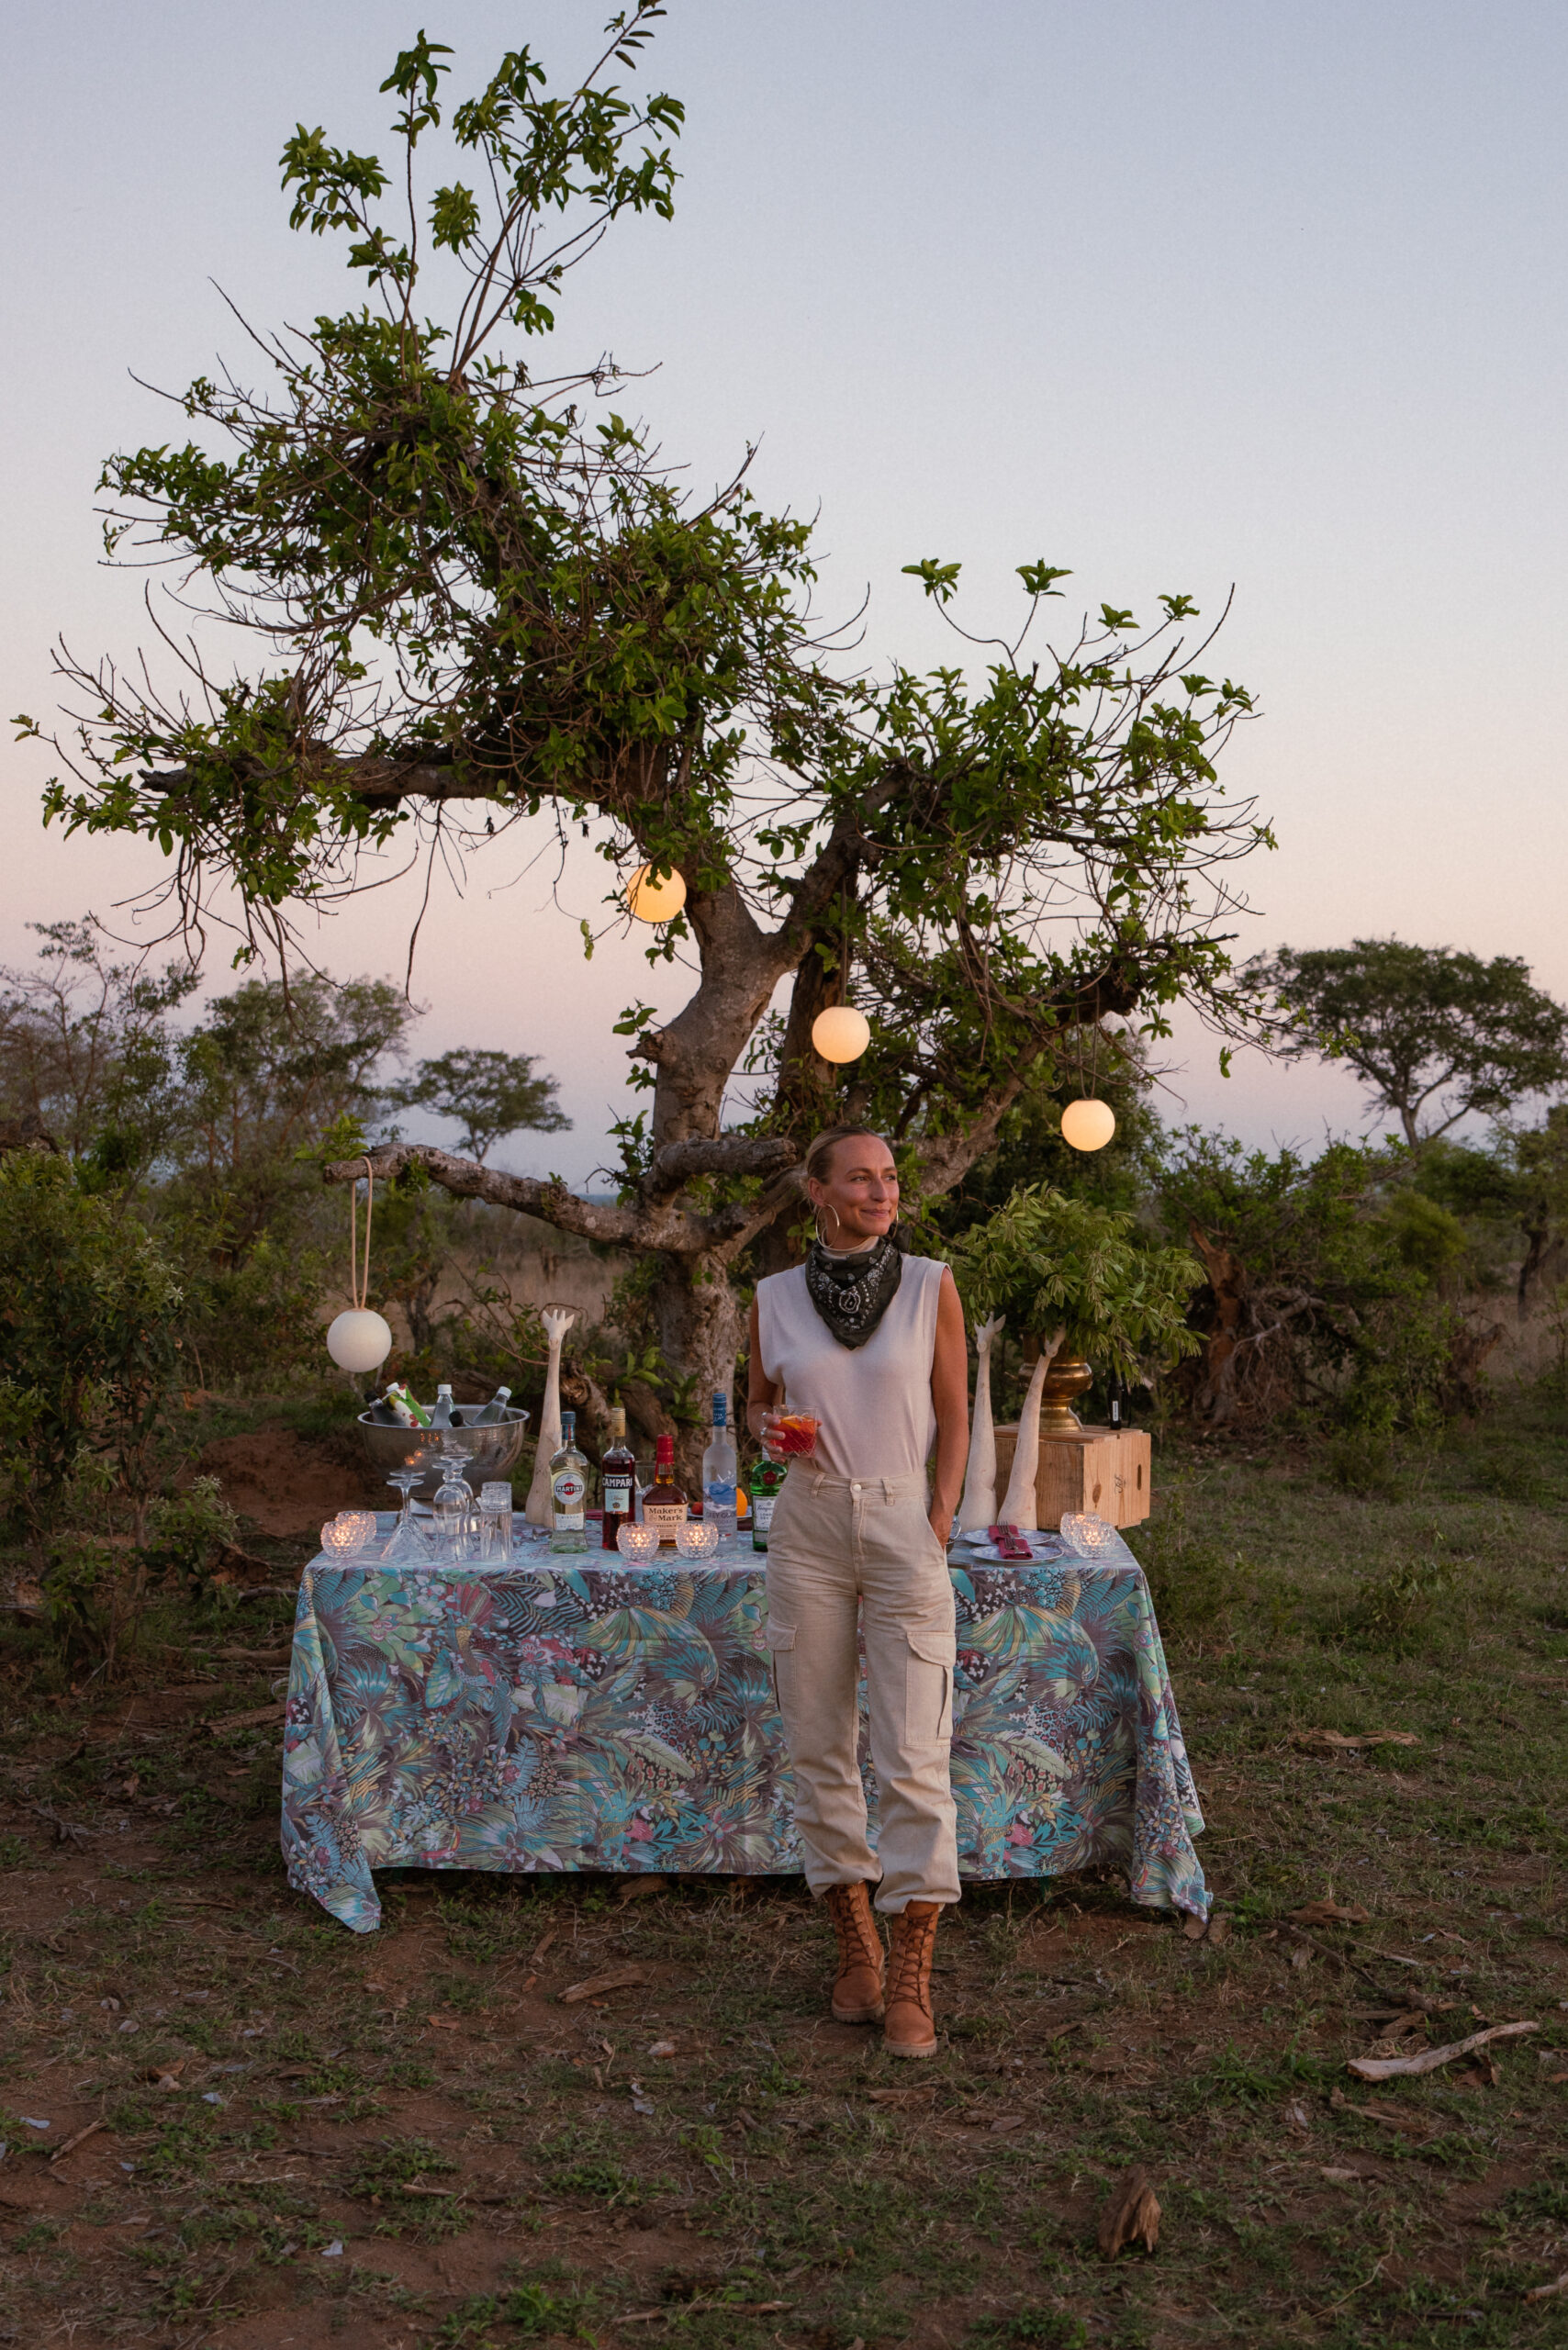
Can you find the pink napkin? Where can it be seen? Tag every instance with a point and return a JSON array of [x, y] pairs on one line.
[[1009, 1541]]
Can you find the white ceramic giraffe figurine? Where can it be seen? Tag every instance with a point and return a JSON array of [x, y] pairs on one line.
[[978, 1508], [557, 1321], [1020, 1506]]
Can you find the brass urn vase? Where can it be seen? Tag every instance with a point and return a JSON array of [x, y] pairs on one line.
[[1069, 1377]]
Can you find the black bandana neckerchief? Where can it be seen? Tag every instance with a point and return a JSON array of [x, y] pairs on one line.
[[852, 1293]]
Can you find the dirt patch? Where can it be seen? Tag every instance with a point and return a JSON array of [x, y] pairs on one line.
[[286, 1484]]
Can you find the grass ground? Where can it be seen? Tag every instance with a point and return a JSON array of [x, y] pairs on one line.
[[304, 2137]]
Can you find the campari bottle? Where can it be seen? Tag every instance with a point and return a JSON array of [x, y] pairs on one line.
[[569, 1492], [665, 1504], [617, 1479]]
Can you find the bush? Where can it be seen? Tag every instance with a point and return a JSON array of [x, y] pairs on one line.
[[185, 1529], [88, 1348], [1403, 1611]]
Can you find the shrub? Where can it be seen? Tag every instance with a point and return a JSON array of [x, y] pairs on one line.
[[88, 1347]]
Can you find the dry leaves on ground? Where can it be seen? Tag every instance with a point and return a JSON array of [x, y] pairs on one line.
[[619, 1978], [1131, 2216], [1329, 1913], [1334, 1742]]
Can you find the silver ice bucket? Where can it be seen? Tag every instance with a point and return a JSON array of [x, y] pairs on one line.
[[495, 1448]]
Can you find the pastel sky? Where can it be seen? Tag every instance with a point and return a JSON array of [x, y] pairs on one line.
[[1184, 297]]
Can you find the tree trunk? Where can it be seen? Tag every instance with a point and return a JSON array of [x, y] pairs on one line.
[[698, 1319]]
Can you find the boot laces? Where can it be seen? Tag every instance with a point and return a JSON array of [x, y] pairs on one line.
[[912, 1944], [857, 1943]]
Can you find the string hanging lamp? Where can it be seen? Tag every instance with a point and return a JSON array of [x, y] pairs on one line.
[[841, 1033], [1088, 1124], [359, 1340]]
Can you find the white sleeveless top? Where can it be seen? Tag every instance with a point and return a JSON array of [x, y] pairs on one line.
[[874, 1401]]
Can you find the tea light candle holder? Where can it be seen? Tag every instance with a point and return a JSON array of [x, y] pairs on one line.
[[698, 1538], [348, 1532], [639, 1545], [1085, 1535]]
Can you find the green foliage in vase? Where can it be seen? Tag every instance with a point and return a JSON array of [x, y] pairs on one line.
[[1050, 1262]]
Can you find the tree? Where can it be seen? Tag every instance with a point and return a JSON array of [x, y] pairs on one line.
[[1421, 1024], [490, 1094], [474, 595], [85, 1052]]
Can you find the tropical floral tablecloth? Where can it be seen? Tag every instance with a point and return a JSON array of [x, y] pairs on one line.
[[567, 1716]]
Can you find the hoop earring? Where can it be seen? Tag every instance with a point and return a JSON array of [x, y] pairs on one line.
[[823, 1240]]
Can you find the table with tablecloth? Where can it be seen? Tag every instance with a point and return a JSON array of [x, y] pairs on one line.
[[564, 1713]]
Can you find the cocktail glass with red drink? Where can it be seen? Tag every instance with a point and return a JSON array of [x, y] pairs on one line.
[[790, 1436]]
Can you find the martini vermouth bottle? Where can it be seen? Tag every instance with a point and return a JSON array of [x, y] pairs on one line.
[[569, 1492]]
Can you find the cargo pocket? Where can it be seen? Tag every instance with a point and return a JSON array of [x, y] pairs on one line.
[[928, 1682], [779, 1639]]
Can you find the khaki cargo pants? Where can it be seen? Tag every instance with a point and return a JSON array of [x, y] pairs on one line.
[[845, 1555]]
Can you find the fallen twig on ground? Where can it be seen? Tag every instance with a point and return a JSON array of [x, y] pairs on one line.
[[1383, 2068]]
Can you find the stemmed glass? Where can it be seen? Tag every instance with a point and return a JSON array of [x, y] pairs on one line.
[[453, 1503], [406, 1544]]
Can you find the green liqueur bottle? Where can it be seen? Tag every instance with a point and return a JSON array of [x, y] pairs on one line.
[[762, 1484]]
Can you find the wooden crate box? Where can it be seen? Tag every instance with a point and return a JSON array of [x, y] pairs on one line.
[[1103, 1470]]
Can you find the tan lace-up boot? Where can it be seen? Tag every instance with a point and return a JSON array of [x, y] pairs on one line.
[[910, 2029], [857, 1986]]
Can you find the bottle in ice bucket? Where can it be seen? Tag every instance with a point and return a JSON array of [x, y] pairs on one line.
[[568, 1491], [664, 1503], [617, 1479], [762, 1484], [407, 1414], [494, 1411], [441, 1414], [719, 1474]]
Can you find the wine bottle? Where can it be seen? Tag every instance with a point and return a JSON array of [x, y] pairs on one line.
[[617, 1479], [440, 1410], [401, 1401], [719, 1474], [494, 1411], [569, 1492], [664, 1503], [766, 1476]]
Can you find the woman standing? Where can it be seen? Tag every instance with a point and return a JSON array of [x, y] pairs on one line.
[[871, 1341]]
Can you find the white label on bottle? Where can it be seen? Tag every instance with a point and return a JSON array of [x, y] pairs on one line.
[[665, 1515], [762, 1511], [570, 1491], [616, 1495]]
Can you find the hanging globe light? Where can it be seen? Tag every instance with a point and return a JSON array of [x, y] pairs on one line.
[[359, 1340], [1088, 1124], [841, 1033], [656, 897]]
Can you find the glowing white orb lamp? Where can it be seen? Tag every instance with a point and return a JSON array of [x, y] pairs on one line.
[[359, 1340], [1088, 1126], [841, 1033], [656, 897]]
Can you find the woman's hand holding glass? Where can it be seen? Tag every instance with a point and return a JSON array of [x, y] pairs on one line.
[[788, 1435]]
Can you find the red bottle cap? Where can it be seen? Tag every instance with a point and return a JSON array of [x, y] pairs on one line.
[[664, 1448]]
